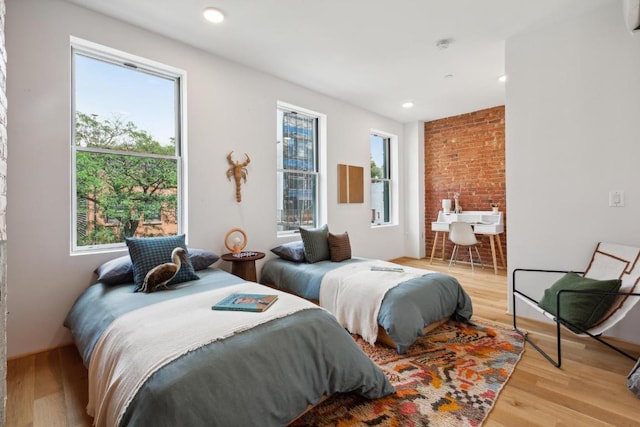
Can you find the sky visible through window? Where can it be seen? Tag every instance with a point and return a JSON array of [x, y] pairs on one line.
[[377, 150], [112, 91]]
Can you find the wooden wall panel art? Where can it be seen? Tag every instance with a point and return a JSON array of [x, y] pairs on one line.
[[350, 184]]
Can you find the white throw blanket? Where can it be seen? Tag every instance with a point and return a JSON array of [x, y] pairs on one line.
[[354, 293], [140, 342]]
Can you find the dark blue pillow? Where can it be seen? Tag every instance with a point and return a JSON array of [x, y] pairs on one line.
[[120, 270], [149, 252], [292, 251], [116, 271], [202, 258]]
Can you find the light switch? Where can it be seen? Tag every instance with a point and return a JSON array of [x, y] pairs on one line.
[[616, 198]]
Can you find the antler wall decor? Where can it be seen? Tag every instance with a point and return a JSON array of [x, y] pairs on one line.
[[239, 172]]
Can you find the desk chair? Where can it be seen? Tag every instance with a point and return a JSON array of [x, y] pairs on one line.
[[461, 234]]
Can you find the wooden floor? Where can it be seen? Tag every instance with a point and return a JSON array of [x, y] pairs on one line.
[[50, 388]]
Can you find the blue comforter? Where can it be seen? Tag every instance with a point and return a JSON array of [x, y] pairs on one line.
[[405, 310], [264, 376]]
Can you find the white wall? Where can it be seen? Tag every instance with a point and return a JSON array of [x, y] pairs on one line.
[[230, 107], [414, 190], [572, 129]]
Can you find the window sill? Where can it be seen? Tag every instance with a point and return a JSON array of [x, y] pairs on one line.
[[384, 225]]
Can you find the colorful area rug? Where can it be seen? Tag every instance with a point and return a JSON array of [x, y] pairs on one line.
[[450, 377]]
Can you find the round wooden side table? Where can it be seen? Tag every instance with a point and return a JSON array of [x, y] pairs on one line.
[[244, 264]]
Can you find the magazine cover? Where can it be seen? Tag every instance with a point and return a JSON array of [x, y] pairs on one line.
[[246, 302]]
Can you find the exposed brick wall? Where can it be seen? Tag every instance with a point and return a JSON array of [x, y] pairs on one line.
[[465, 154]]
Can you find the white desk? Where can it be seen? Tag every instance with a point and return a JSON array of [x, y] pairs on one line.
[[483, 222]]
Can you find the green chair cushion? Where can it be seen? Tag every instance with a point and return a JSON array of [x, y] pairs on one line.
[[582, 310]]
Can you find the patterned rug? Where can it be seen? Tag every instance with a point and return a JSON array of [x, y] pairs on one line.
[[450, 377]]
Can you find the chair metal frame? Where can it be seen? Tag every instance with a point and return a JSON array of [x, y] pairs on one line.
[[558, 320]]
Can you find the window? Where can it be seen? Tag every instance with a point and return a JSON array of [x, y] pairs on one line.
[[383, 165], [299, 142], [126, 148]]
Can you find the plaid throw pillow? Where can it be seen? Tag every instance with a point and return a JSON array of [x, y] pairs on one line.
[[339, 247], [149, 252]]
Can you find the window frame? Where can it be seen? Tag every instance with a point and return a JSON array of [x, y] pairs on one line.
[[117, 57], [391, 163], [320, 213]]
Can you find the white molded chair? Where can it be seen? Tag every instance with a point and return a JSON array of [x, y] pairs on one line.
[[461, 234], [609, 261]]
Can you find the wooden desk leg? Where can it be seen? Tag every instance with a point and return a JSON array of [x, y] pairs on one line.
[[504, 264], [433, 249], [444, 243], [493, 253]]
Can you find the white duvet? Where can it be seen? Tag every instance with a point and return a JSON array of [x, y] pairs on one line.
[[354, 294]]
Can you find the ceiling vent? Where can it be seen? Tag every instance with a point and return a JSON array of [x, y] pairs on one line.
[[631, 9]]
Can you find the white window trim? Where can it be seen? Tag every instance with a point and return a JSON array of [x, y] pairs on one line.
[[322, 163], [109, 54], [394, 178]]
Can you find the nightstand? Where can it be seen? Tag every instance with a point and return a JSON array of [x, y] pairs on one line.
[[244, 266]]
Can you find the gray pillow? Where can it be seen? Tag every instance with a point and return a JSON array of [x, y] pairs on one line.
[[292, 251], [149, 252], [316, 243]]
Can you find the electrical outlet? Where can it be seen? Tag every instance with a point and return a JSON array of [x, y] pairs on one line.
[[616, 198]]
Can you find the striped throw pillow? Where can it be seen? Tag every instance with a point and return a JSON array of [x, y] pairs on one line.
[[339, 247]]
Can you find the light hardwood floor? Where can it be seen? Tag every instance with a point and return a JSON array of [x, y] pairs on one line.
[[50, 388]]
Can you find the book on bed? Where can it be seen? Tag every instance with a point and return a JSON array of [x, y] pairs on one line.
[[395, 269], [246, 302]]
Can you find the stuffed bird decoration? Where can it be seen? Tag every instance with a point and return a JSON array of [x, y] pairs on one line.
[[162, 274]]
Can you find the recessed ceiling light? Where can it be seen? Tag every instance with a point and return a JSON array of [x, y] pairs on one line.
[[214, 15], [407, 104], [502, 78]]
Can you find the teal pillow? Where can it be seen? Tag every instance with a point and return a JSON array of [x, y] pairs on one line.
[[316, 243], [149, 252], [582, 310]]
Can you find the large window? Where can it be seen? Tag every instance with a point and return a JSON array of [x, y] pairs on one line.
[[298, 168], [126, 148], [382, 179]]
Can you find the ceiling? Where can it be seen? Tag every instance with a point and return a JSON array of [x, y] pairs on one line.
[[375, 54]]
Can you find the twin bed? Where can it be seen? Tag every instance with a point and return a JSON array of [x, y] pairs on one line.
[[413, 301], [246, 373], [166, 358]]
